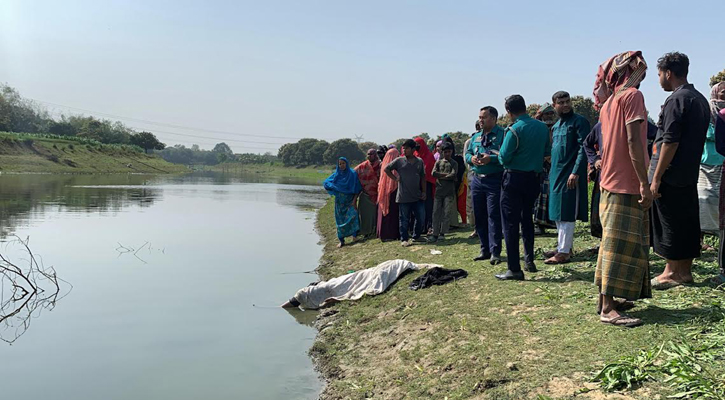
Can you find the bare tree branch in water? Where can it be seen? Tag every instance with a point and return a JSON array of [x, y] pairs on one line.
[[121, 249], [25, 290]]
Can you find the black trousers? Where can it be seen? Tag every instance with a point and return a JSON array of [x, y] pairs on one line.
[[519, 191]]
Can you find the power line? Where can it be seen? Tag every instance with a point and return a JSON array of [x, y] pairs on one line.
[[208, 137], [163, 123]]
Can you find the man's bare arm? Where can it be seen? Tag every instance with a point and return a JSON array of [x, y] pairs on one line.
[[636, 153]]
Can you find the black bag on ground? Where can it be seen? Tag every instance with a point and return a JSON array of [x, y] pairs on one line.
[[437, 276]]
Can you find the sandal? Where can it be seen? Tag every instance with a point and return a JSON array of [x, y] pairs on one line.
[[619, 305], [622, 320], [558, 258], [657, 285]]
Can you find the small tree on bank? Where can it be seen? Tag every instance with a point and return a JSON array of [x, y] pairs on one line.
[[147, 141], [343, 148]]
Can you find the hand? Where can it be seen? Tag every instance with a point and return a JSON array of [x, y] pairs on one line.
[[655, 189], [485, 159], [646, 193], [354, 204], [422, 196], [598, 164], [572, 182], [475, 160]]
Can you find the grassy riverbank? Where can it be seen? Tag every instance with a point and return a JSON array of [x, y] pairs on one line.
[[316, 174], [484, 339], [27, 153]]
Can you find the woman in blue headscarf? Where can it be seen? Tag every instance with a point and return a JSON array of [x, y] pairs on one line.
[[345, 186]]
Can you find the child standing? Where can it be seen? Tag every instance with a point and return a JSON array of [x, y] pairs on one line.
[[445, 171]]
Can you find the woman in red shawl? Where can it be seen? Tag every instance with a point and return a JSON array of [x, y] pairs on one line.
[[388, 217], [423, 152]]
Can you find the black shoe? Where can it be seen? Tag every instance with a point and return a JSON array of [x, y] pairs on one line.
[[530, 267], [495, 259], [482, 256], [511, 276]]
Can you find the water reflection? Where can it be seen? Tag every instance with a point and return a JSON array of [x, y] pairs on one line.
[[27, 287], [24, 196]]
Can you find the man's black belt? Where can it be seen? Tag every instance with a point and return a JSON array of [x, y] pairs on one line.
[[516, 171]]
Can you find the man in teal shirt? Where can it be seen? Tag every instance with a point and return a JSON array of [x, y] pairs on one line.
[[482, 156], [568, 187], [524, 147]]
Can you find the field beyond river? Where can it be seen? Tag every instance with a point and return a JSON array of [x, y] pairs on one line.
[[538, 339]]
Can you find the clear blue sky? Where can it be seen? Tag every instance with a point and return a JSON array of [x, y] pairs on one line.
[[333, 69]]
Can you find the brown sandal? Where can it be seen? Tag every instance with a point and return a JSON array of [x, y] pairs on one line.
[[558, 258], [623, 320], [619, 305]]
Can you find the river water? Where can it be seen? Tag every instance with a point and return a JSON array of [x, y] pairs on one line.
[[167, 287]]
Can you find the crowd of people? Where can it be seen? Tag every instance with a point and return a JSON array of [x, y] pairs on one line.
[[654, 185]]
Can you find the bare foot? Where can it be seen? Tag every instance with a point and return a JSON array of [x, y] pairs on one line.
[[339, 245]]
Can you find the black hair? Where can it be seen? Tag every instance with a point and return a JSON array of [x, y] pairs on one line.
[[410, 143], [515, 104], [559, 95], [675, 62], [447, 146], [478, 125], [491, 110]]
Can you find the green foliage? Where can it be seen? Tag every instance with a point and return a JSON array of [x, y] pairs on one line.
[[687, 367], [20, 115], [180, 154], [146, 141], [584, 106], [717, 78], [303, 153], [343, 148], [365, 146], [629, 371], [223, 148], [532, 109]]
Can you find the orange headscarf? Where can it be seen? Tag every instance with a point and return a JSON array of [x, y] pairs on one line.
[[387, 185]]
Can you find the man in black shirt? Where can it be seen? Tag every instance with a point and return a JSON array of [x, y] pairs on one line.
[[674, 169]]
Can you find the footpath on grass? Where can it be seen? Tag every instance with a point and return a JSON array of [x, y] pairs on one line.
[[537, 339]]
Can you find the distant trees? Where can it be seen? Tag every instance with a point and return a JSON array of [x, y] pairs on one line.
[[24, 116], [717, 78], [584, 106], [220, 153], [365, 146], [343, 148], [146, 141], [21, 115]]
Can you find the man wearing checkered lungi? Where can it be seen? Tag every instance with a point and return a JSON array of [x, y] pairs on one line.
[[623, 262]]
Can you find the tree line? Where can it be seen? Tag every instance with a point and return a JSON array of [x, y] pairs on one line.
[[310, 152], [21, 115]]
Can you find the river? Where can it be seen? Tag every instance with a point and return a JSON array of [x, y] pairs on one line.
[[167, 287]]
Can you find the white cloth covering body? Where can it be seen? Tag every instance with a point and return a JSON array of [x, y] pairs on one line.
[[353, 286]]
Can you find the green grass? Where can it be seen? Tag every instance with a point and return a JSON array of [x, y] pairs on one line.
[[20, 153], [485, 339]]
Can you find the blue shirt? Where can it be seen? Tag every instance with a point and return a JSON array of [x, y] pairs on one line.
[[486, 143], [525, 145]]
